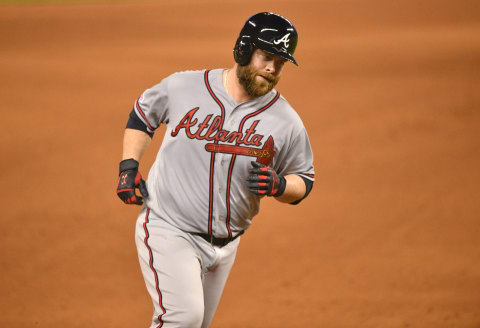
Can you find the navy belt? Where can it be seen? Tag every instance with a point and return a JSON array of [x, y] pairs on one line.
[[219, 242]]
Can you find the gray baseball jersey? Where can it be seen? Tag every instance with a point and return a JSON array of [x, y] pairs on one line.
[[198, 180]]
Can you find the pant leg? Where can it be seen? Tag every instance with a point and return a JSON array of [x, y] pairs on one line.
[[172, 271], [215, 277]]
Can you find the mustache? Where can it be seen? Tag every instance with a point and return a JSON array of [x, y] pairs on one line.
[[269, 77]]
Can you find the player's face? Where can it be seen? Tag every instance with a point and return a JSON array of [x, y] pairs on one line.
[[261, 74]]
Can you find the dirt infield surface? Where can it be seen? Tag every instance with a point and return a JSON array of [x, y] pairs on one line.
[[389, 92]]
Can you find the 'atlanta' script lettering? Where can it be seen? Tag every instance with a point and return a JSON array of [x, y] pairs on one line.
[[210, 130]]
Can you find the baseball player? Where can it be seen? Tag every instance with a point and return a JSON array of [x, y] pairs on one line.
[[230, 140]]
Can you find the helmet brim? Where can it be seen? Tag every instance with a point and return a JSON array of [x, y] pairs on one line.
[[284, 55]]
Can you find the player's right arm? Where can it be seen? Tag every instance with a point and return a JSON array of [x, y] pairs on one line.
[[149, 111], [135, 143], [136, 139]]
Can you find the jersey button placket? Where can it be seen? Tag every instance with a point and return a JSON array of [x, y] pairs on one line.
[[230, 122], [218, 194]]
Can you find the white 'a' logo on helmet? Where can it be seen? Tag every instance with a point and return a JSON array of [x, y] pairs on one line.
[[285, 39]]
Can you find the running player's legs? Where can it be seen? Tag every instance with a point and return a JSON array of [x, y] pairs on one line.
[[172, 272], [215, 277]]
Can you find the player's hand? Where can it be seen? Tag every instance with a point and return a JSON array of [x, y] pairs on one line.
[[129, 179], [264, 181]]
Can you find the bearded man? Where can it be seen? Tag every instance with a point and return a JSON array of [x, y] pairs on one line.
[[231, 139]]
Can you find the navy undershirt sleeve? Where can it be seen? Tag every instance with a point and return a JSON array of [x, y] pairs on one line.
[[135, 123]]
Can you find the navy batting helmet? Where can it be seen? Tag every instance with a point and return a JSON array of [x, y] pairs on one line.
[[269, 32]]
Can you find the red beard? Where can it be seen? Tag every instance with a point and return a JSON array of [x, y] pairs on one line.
[[254, 88]]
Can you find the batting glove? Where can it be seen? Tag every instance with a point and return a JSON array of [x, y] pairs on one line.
[[129, 179], [264, 181]]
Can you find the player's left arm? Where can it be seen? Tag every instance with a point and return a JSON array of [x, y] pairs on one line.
[[295, 189], [290, 179], [265, 181]]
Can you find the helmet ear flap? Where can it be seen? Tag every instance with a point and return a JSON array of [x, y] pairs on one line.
[[243, 51]]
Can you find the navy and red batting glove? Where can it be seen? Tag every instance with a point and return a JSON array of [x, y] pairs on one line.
[[129, 179], [264, 181]]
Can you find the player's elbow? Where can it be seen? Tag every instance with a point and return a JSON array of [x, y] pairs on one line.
[[308, 188], [297, 189]]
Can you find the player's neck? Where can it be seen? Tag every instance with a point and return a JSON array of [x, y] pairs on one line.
[[233, 86]]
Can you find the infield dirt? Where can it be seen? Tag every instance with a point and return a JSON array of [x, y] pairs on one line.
[[389, 92]]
